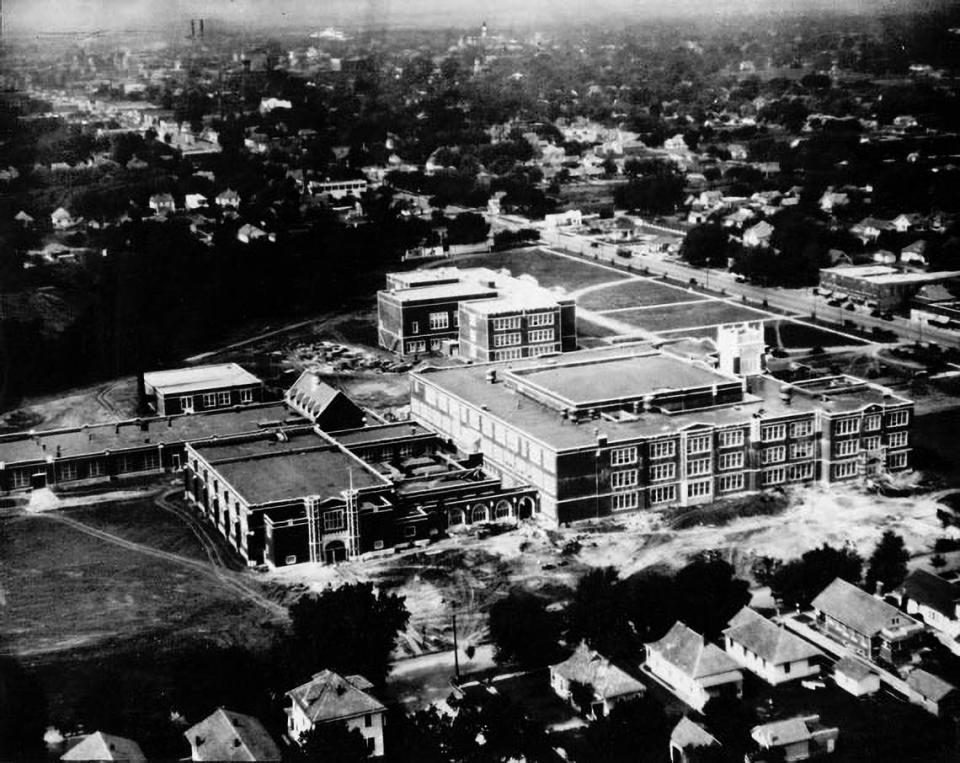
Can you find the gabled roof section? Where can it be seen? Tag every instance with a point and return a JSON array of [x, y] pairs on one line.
[[328, 696], [226, 735], [928, 685], [100, 746], [588, 667], [766, 639], [686, 649], [687, 734], [933, 591], [859, 610], [786, 732]]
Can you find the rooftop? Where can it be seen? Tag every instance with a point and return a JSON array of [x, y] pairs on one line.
[[100, 746], [852, 667], [329, 696], [689, 734], [766, 639], [515, 303], [586, 666], [383, 433], [928, 685], [859, 610], [180, 380], [226, 735], [932, 590], [449, 291], [686, 649], [789, 731]]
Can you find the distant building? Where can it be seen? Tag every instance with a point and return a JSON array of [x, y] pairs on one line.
[[933, 599], [195, 200], [162, 203], [567, 219], [694, 669], [249, 233], [608, 683], [331, 698], [855, 677], [62, 219], [99, 746], [691, 743], [769, 650], [867, 625], [201, 388], [328, 408], [758, 235], [794, 739], [934, 694], [338, 189], [228, 199], [883, 286], [225, 735], [513, 328]]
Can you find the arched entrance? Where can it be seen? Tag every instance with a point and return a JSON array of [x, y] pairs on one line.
[[480, 513], [503, 509], [525, 507], [335, 552]]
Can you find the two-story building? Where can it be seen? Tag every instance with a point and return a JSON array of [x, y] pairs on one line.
[[768, 650], [331, 698], [510, 328]]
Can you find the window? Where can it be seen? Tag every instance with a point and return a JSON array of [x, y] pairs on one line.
[[368, 720], [663, 494], [798, 472], [847, 448], [334, 520], [897, 439], [415, 327], [246, 396], [773, 432], [731, 460], [698, 466], [699, 444], [624, 501], [505, 340], [209, 399], [223, 398], [434, 345], [540, 335], [540, 319], [872, 443], [732, 439], [801, 428], [772, 476], [698, 488], [186, 404], [730, 482], [418, 346], [896, 460], [665, 449], [514, 354], [801, 450], [505, 324], [621, 480], [542, 349], [844, 469], [410, 531], [21, 477], [897, 418], [847, 426], [151, 460], [456, 320], [871, 423], [773, 455], [622, 456], [439, 321], [95, 468], [660, 472], [67, 471]]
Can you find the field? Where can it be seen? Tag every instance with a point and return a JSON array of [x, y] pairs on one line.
[[667, 318], [549, 269], [639, 293]]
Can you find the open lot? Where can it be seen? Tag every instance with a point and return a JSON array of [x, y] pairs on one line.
[[635, 293], [549, 269], [675, 317]]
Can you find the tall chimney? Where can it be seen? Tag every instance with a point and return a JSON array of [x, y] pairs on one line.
[[201, 29], [193, 29]]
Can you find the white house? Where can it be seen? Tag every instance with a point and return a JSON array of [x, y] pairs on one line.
[[228, 198], [692, 668], [688, 740], [62, 219], [100, 746], [564, 219], [248, 233], [608, 683], [194, 200], [932, 693], [226, 735], [161, 203], [915, 253], [830, 200], [932, 599], [331, 698], [855, 676], [772, 652], [799, 738], [758, 235]]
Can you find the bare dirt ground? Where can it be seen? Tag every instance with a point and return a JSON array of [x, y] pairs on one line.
[[97, 404]]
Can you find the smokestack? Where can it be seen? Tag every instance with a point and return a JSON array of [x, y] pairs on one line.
[[193, 29], [201, 29]]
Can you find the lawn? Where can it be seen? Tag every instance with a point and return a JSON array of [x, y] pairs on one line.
[[791, 335], [588, 330], [676, 317], [635, 294], [549, 269]]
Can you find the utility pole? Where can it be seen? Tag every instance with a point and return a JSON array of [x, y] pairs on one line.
[[456, 649]]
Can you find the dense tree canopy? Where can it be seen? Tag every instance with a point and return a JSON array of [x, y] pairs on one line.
[[797, 583]]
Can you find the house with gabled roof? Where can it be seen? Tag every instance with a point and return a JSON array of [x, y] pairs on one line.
[[758, 235], [855, 676], [228, 198], [99, 746], [329, 697], [865, 624], [692, 668], [769, 650], [799, 738], [589, 668], [869, 229], [162, 203], [915, 253], [327, 407], [229, 736], [62, 219], [932, 693], [690, 741], [830, 200], [933, 599]]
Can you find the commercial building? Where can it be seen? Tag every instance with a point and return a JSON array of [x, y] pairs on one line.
[[628, 427], [478, 313], [203, 388], [881, 286]]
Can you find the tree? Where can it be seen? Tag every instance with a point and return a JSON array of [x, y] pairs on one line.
[[707, 595], [349, 629], [635, 730], [888, 563], [597, 614], [523, 630], [706, 245], [332, 742], [798, 582]]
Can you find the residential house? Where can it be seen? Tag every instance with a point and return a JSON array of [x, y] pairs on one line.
[[225, 735], [904, 222], [869, 229], [758, 235], [331, 698], [799, 738], [933, 694], [739, 218], [62, 219], [933, 599], [570, 218], [162, 203], [194, 201], [99, 746], [228, 199], [607, 683], [690, 742], [623, 228], [325, 406], [915, 253], [692, 668], [738, 152], [854, 676], [865, 624], [769, 650], [24, 219], [831, 200], [249, 233], [884, 257]]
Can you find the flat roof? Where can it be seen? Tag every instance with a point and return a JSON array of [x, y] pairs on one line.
[[397, 431], [199, 378], [515, 303], [172, 430], [268, 470], [943, 275], [452, 291], [600, 379], [544, 422]]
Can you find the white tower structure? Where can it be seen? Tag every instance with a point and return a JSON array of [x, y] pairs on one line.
[[740, 347]]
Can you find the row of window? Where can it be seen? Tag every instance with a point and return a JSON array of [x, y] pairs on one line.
[[438, 322], [506, 340], [214, 399], [792, 473], [513, 323]]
